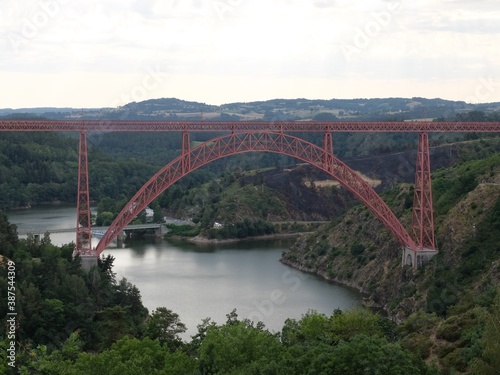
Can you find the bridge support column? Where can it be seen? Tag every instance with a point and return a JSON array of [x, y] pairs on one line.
[[186, 152], [328, 147], [423, 215], [83, 225]]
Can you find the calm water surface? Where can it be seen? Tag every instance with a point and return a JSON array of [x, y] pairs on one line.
[[199, 281]]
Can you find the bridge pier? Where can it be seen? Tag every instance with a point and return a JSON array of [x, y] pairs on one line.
[[159, 231], [120, 240], [417, 259], [88, 261], [83, 224]]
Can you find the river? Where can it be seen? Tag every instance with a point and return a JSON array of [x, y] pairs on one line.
[[199, 281]]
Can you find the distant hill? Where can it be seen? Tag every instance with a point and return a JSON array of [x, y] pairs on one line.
[[275, 109], [41, 110]]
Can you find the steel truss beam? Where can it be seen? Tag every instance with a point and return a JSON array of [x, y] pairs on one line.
[[236, 143], [244, 126]]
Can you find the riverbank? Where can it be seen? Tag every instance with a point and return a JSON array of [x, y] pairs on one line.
[[367, 301], [199, 239]]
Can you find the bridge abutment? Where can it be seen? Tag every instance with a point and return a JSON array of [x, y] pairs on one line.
[[417, 259]]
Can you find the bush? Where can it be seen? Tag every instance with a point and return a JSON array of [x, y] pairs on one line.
[[322, 248], [452, 328], [357, 249], [182, 230], [418, 344]]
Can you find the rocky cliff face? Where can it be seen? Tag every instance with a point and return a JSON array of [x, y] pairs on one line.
[[358, 252], [309, 194]]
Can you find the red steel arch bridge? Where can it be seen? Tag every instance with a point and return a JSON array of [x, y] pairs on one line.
[[241, 137]]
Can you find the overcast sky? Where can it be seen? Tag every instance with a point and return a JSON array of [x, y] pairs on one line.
[[110, 52]]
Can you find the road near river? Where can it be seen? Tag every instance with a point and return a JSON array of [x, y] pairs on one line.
[[199, 281]]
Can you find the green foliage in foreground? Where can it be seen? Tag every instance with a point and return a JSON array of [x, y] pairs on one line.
[[72, 322], [315, 344], [76, 322], [55, 298]]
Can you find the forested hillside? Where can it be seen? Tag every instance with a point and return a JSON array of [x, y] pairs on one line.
[[42, 167], [445, 304], [36, 167]]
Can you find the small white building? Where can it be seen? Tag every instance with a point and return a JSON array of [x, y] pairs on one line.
[[218, 225]]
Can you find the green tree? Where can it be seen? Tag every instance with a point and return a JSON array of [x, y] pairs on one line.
[[128, 295], [165, 326], [157, 213], [314, 328], [42, 361], [489, 362], [365, 355], [104, 218], [238, 348], [51, 329], [130, 356], [112, 325], [8, 236]]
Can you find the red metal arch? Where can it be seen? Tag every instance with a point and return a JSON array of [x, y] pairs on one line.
[[237, 143]]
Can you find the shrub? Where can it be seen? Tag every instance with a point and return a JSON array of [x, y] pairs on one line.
[[357, 249]]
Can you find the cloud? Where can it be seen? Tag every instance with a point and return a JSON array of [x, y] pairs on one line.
[[240, 46]]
